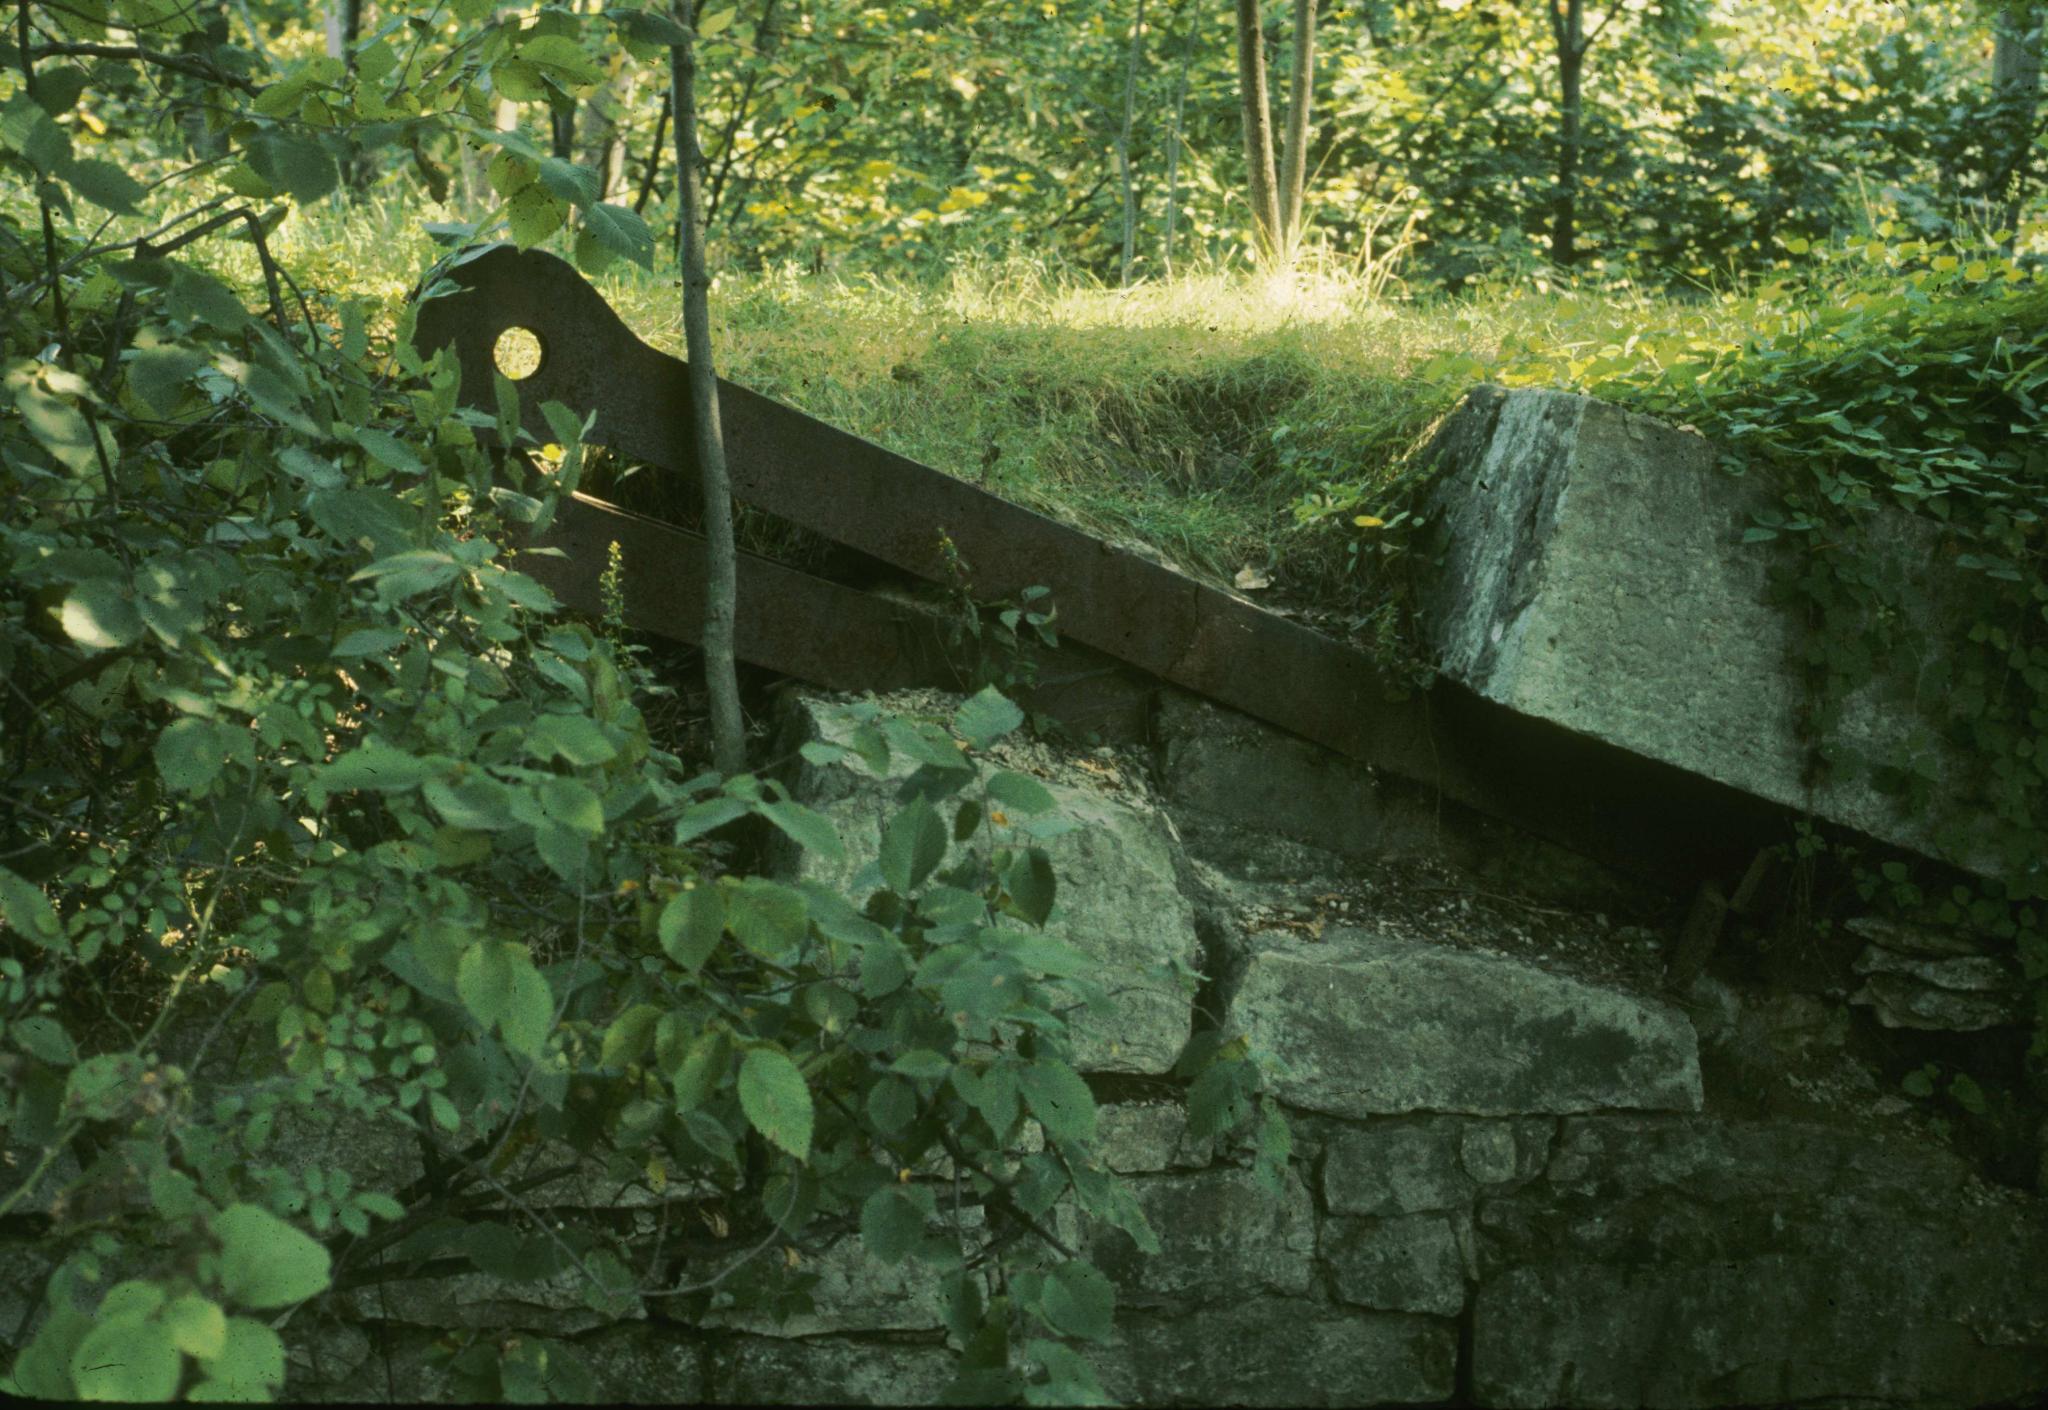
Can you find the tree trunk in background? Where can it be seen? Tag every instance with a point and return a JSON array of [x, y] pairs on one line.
[[654, 153], [1568, 24], [721, 592], [1123, 144], [344, 24], [2016, 82], [1258, 131], [1180, 98], [1294, 142]]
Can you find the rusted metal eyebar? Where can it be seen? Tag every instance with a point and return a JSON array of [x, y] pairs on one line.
[[1643, 817]]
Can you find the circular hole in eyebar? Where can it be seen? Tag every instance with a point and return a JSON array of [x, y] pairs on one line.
[[517, 353]]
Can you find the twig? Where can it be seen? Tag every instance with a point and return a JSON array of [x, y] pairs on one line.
[[177, 63]]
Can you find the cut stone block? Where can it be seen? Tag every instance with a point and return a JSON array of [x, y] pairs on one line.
[[1119, 897], [1367, 1025], [1409, 1263], [1593, 574], [1280, 1351], [1410, 1165], [1221, 1235]]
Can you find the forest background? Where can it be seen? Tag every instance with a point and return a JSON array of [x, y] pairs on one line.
[[312, 807]]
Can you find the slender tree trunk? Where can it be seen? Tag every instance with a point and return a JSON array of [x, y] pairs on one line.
[[1123, 144], [344, 24], [1294, 142], [654, 154], [1258, 130], [2016, 83], [1569, 26], [721, 591], [1180, 98]]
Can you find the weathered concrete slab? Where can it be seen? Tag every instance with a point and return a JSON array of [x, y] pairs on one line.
[[1694, 1262], [1119, 900], [1592, 574], [1281, 1351], [1370, 1024]]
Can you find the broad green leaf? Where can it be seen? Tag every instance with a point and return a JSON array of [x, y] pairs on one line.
[[776, 1100], [1058, 1098], [250, 1365], [530, 1011], [386, 449], [1078, 1300], [924, 1063], [808, 828], [402, 575], [293, 164], [105, 185], [99, 616], [28, 913], [708, 816], [571, 803], [1020, 791], [158, 375], [577, 738], [127, 1358], [701, 1068], [913, 845], [1030, 884], [44, 1037], [892, 1221], [620, 230], [484, 979], [562, 59], [265, 1262], [986, 717], [378, 768], [190, 755], [570, 181], [478, 802], [630, 1036], [767, 917], [368, 641], [892, 1105], [691, 924], [533, 214], [137, 1297], [197, 1325], [1220, 1098]]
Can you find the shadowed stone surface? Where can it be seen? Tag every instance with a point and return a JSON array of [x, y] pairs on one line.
[[1273, 1351], [1222, 1235], [1119, 897], [1372, 1024], [772, 1371], [1593, 574], [1410, 1165], [1689, 1262], [1409, 1263]]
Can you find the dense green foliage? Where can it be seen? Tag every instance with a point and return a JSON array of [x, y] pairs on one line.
[[311, 803], [314, 812]]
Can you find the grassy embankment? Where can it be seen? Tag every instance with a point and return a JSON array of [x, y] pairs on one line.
[[1222, 423]]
